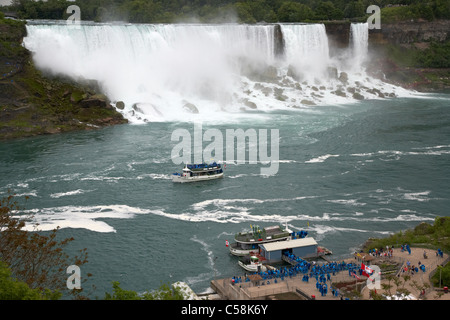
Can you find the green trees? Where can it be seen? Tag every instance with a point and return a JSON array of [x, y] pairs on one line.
[[13, 289], [326, 10], [441, 278], [246, 11], [294, 12], [33, 265], [435, 236], [354, 9], [35, 259], [142, 10]]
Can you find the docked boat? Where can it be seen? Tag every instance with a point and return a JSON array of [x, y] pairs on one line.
[[248, 242], [252, 264], [199, 172]]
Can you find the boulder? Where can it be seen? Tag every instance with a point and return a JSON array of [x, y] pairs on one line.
[[339, 93], [250, 104], [93, 102], [358, 96], [343, 77], [278, 93], [120, 105], [307, 102]]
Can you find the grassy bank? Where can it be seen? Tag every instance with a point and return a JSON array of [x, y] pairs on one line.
[[425, 235], [423, 66], [432, 236]]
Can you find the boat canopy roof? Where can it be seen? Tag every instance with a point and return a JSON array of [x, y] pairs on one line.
[[282, 245], [267, 233], [202, 166]]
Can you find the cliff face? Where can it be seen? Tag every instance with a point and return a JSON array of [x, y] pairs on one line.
[[338, 36], [404, 32], [33, 104], [408, 32], [394, 50], [396, 47], [338, 33]]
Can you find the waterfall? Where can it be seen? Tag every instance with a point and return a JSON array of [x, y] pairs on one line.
[[359, 42], [183, 72], [162, 66], [306, 48]]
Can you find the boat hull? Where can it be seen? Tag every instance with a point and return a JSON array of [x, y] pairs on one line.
[[181, 179], [252, 267], [242, 252]]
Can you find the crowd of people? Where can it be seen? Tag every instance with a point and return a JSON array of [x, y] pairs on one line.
[[388, 252], [309, 270]]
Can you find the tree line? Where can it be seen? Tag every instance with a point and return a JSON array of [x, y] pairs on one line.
[[217, 11]]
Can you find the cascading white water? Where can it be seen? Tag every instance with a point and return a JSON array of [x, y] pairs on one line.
[[160, 66], [182, 72], [359, 41], [307, 48]]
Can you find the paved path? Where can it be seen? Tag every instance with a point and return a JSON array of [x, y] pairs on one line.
[[420, 278]]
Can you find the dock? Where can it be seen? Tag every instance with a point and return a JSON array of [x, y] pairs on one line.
[[257, 288]]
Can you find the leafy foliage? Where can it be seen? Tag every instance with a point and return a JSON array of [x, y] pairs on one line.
[[13, 289], [441, 278], [248, 11], [434, 236], [436, 56], [34, 258]]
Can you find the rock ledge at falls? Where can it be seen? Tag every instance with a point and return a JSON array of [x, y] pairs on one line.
[[33, 104]]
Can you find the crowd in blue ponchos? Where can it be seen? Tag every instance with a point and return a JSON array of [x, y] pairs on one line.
[[322, 273], [405, 247], [299, 234]]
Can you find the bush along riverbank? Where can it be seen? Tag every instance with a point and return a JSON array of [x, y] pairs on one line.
[[424, 237], [428, 236], [32, 103], [432, 236]]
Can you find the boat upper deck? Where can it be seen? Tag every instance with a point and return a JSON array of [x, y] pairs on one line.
[[266, 234], [203, 167]]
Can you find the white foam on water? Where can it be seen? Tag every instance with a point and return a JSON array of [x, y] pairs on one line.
[[417, 196], [83, 217], [322, 158], [352, 202], [218, 211], [154, 176], [31, 193], [397, 154], [68, 193]]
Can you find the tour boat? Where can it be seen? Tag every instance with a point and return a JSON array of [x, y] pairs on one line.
[[253, 265], [248, 242], [199, 172]]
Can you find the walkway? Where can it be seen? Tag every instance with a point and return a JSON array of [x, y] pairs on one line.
[[419, 279]]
